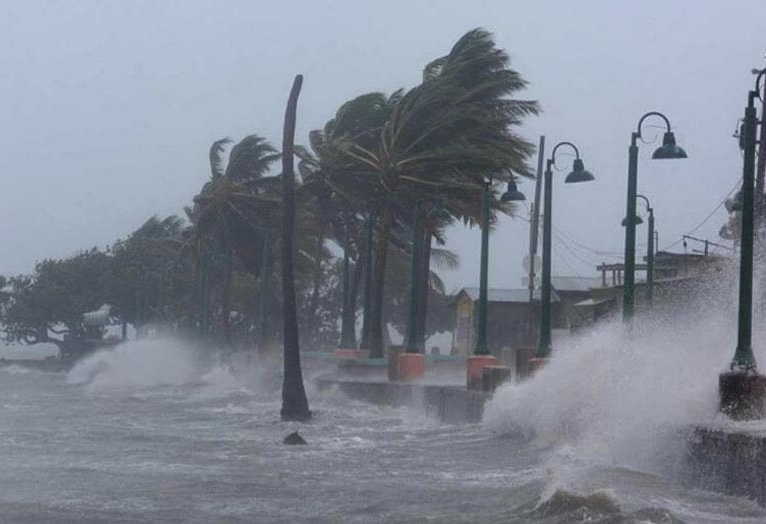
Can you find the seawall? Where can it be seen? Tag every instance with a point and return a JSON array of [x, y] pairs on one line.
[[728, 460], [451, 404]]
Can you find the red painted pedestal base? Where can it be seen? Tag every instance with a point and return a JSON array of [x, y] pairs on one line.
[[348, 353], [411, 366], [474, 366]]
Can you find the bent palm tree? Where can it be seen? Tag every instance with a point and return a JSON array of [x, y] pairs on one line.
[[294, 403], [442, 140]]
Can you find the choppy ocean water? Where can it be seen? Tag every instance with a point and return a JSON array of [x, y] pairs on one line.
[[149, 434]]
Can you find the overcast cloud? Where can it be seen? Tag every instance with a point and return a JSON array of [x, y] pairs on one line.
[[108, 108]]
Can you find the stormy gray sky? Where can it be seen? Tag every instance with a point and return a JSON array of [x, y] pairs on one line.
[[108, 108]]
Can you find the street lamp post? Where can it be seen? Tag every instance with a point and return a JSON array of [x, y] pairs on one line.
[[578, 174], [481, 327], [668, 150], [511, 195], [742, 390], [481, 352], [649, 253]]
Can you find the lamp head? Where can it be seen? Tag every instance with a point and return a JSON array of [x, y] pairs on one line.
[[512, 194], [636, 221], [579, 174], [669, 149]]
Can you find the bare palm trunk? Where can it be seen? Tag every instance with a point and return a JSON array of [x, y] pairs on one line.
[[311, 329], [347, 330], [378, 284], [368, 285], [425, 286], [295, 405], [353, 299], [226, 299], [264, 295]]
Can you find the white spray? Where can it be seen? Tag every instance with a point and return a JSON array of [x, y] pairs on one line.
[[623, 399]]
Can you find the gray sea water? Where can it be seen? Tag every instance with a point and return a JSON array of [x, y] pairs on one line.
[[148, 434]]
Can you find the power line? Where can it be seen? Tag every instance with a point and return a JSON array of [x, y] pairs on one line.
[[708, 217], [587, 248]]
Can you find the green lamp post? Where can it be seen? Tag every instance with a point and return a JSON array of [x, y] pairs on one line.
[[742, 390], [649, 247], [512, 194], [578, 174], [649, 252], [668, 150]]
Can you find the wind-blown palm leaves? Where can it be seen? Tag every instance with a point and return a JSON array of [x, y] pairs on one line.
[[230, 216], [444, 138], [332, 186]]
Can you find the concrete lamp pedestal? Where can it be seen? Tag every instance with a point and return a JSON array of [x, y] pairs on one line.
[[411, 366], [742, 395], [474, 367], [348, 353]]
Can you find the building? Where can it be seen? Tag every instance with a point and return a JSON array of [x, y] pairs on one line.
[[509, 319], [512, 321]]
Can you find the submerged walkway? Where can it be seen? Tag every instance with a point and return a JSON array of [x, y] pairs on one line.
[[441, 393]]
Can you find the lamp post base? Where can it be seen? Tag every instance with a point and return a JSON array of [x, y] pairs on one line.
[[411, 366], [742, 395], [474, 367]]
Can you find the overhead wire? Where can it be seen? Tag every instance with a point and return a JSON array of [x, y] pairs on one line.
[[708, 217]]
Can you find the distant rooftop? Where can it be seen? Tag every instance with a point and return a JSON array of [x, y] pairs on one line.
[[505, 295], [571, 283]]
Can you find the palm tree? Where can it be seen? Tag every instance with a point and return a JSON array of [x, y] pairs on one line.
[[294, 403], [230, 215], [442, 140], [329, 176]]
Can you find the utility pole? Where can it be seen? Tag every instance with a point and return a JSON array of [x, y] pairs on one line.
[[760, 171], [534, 231], [534, 218]]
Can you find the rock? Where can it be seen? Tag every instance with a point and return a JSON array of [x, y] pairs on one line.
[[294, 439]]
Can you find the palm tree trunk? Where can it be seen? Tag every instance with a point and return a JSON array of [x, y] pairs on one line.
[[378, 284], [425, 280], [368, 268], [264, 294], [295, 405], [311, 328], [226, 298], [353, 299], [347, 329], [204, 295]]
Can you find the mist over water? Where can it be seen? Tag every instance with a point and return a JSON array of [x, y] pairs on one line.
[[148, 362]]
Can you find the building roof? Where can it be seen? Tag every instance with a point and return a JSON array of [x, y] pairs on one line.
[[505, 295], [571, 283]]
